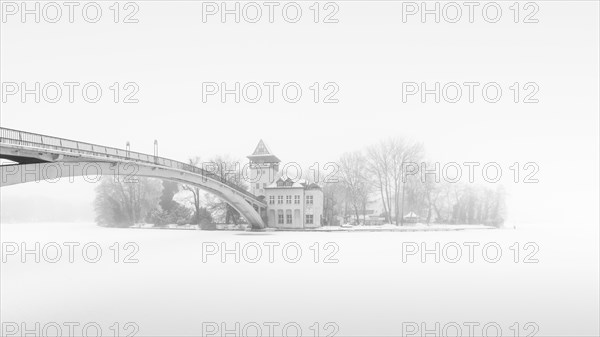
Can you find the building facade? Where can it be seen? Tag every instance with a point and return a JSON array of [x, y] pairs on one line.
[[290, 204]]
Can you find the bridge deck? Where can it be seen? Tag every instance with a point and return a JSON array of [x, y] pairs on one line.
[[34, 140]]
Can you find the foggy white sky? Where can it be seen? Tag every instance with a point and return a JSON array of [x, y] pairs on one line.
[[369, 53]]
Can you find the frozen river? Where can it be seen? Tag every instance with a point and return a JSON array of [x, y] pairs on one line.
[[154, 282]]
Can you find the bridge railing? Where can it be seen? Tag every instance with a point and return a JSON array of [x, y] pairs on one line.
[[23, 138]]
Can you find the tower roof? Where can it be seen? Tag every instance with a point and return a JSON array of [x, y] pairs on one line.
[[263, 154], [261, 149]]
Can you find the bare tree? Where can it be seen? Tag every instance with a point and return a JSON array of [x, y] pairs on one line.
[[353, 175], [120, 204], [378, 166], [387, 164], [196, 196], [229, 171], [333, 195], [406, 154]]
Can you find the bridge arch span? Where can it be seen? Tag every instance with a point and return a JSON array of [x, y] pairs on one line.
[[92, 170]]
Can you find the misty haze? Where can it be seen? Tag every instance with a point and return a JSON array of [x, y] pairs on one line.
[[343, 168]]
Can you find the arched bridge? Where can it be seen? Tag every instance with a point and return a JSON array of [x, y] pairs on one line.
[[41, 157]]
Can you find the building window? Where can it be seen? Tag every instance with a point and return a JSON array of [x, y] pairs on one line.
[[264, 185], [288, 199], [288, 218], [271, 199], [309, 199], [309, 219], [297, 199], [280, 199], [257, 185], [280, 218]]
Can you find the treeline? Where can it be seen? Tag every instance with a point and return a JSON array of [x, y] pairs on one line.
[[387, 177], [382, 177], [125, 202]]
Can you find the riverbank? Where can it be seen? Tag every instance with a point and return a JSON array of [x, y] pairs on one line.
[[418, 227]]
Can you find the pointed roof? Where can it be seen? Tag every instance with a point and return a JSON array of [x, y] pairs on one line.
[[262, 154], [261, 149]]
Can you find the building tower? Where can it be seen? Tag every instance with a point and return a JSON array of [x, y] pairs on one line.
[[263, 168]]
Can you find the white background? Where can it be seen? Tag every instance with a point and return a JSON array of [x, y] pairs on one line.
[[369, 53]]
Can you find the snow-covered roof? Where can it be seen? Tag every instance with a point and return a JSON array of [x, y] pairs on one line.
[[282, 181]]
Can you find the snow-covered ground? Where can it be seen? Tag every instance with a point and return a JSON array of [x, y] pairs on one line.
[[358, 281], [343, 228], [405, 227]]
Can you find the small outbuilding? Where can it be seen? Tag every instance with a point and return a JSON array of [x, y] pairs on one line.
[[411, 218]]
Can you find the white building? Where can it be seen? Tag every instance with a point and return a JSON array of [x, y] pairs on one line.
[[290, 204]]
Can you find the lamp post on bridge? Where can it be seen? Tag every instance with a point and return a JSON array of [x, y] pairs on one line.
[[127, 147], [156, 151]]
